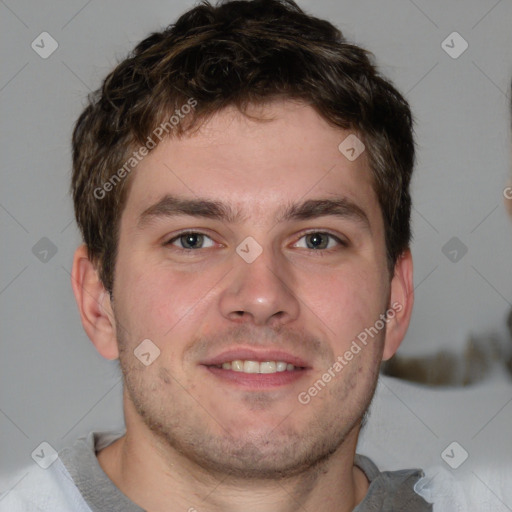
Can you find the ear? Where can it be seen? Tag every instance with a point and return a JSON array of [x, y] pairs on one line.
[[401, 302], [94, 305], [507, 198]]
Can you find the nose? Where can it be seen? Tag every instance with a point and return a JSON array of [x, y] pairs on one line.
[[261, 292]]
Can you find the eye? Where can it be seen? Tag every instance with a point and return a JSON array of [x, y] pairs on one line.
[[314, 240], [190, 240], [320, 240]]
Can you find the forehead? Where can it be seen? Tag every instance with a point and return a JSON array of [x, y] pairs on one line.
[[288, 154]]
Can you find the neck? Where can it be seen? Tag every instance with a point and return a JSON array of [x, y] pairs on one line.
[[157, 478]]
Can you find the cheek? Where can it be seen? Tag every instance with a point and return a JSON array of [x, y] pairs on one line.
[[355, 279], [155, 298], [347, 301]]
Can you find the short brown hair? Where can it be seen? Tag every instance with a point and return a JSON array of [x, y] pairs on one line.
[[237, 53]]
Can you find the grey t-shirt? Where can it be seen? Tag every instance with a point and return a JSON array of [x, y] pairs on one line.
[[389, 491]]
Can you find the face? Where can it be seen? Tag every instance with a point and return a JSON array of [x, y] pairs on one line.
[[253, 294]]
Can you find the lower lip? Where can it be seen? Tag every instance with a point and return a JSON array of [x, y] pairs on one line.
[[257, 380]]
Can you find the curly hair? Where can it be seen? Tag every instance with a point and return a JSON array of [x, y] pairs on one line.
[[237, 53]]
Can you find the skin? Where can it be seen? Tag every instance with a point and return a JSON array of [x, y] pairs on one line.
[[197, 440]]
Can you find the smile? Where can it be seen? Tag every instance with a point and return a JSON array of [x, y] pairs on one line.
[[249, 366]]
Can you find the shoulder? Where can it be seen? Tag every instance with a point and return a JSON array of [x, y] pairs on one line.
[[431, 489], [34, 489], [392, 490], [412, 426], [55, 488], [438, 486]]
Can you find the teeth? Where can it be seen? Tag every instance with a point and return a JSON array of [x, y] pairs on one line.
[[257, 367], [251, 367], [237, 366], [280, 366], [268, 367]]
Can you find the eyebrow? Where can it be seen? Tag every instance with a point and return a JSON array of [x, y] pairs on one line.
[[173, 206]]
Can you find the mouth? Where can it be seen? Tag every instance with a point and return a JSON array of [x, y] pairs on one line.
[[251, 368]]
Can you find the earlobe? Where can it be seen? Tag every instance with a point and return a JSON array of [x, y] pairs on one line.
[[94, 304], [401, 302]]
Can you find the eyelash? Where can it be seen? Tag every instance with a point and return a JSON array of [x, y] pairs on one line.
[[318, 252]]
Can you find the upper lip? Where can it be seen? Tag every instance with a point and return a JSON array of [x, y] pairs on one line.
[[251, 354]]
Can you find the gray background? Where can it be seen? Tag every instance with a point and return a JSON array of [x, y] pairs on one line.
[[53, 385]]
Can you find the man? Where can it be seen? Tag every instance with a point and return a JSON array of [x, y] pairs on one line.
[[241, 182]]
